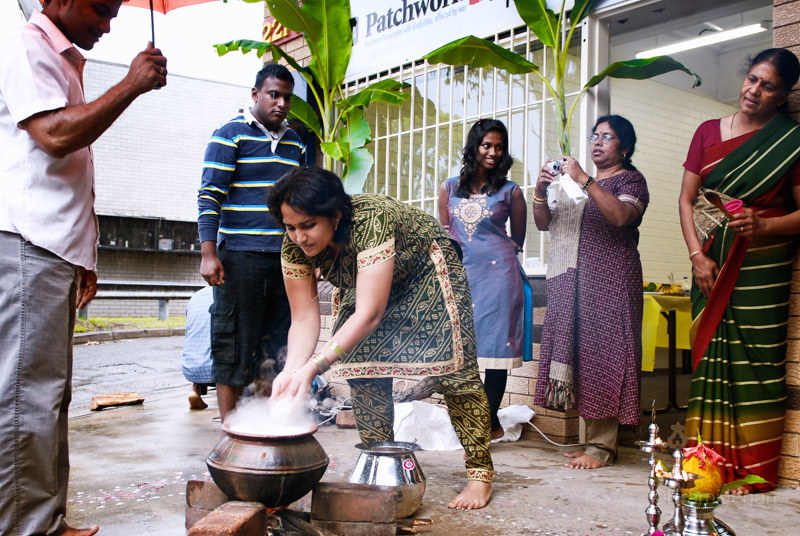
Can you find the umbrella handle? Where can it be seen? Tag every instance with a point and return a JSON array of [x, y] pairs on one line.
[[152, 25], [153, 34]]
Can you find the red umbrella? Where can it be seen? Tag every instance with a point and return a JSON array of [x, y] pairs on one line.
[[162, 6]]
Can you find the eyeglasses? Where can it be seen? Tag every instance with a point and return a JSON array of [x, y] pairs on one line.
[[607, 138]]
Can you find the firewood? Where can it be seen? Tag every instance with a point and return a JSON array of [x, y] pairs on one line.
[[115, 399]]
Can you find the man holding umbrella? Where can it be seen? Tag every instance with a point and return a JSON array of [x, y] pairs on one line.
[[48, 238]]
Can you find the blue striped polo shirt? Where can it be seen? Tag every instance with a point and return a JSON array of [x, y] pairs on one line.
[[238, 170]]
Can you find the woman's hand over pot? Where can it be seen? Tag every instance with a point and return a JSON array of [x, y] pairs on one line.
[[290, 384]]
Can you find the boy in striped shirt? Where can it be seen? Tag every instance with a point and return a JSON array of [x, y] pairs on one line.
[[240, 240]]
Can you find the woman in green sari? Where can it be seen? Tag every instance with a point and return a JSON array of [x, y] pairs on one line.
[[402, 308], [742, 270]]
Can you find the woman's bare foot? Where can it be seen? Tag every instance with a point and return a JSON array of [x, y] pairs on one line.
[[474, 496], [740, 491], [574, 453], [497, 434], [585, 461], [80, 532]]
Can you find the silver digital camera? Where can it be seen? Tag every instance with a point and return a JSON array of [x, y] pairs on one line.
[[555, 166]]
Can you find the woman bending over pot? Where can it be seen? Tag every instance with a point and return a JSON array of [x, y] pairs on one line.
[[402, 307]]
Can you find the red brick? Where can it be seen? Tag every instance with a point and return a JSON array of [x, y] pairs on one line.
[[340, 501], [786, 36], [786, 13], [233, 518], [351, 528], [193, 515], [346, 419], [204, 494]]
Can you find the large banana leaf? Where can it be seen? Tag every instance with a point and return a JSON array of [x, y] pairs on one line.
[[357, 170], [541, 20], [326, 26], [642, 69], [357, 132], [338, 150], [293, 16], [477, 52], [303, 112], [261, 47], [384, 91], [580, 10], [336, 43]]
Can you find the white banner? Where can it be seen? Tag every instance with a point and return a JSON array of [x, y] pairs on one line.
[[389, 33]]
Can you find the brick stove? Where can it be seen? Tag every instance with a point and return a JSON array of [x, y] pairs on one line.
[[337, 509]]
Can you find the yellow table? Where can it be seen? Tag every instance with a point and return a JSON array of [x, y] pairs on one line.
[[665, 323]]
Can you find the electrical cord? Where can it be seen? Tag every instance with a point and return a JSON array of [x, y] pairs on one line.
[[551, 441]]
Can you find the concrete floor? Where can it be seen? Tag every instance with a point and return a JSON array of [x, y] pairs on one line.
[[130, 466]]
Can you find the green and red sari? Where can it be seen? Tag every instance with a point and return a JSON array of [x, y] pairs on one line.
[[738, 393]]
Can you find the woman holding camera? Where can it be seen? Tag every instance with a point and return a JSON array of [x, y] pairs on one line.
[[591, 348]]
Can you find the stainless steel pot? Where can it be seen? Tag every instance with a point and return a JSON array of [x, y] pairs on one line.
[[272, 470], [392, 463]]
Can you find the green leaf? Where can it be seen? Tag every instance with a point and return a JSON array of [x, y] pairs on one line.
[[749, 479], [326, 26], [293, 16], [356, 131], [388, 91], [303, 112], [580, 10], [335, 44], [338, 150], [642, 69], [542, 21], [245, 45], [477, 52], [357, 171]]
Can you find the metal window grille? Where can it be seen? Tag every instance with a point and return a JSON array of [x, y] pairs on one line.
[[418, 145]]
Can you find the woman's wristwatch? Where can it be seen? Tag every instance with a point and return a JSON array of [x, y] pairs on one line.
[[588, 183]]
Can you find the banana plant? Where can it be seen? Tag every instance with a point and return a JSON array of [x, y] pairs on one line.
[[555, 32], [343, 131]]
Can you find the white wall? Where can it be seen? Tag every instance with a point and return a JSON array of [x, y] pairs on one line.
[[149, 162], [665, 119]]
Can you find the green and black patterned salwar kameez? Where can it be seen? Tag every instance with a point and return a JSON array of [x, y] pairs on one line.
[[427, 328]]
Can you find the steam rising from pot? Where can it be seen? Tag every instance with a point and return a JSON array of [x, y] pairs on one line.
[[268, 417]]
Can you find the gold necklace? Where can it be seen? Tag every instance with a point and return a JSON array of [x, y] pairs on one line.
[[335, 258], [314, 295]]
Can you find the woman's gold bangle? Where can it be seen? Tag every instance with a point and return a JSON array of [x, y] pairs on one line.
[[321, 362], [693, 253], [336, 348], [539, 200]]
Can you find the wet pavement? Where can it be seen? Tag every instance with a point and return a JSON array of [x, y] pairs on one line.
[[130, 466]]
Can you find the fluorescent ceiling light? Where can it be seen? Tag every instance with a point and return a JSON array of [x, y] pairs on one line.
[[698, 42]]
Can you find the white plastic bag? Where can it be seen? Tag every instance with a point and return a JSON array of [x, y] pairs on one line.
[[573, 189], [425, 424], [511, 419]]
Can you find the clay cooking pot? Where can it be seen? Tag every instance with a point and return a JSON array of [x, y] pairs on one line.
[[272, 470]]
